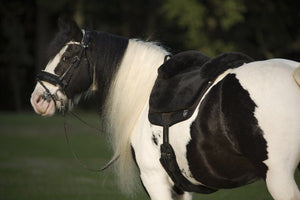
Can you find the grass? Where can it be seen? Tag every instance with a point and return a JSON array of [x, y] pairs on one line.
[[36, 163]]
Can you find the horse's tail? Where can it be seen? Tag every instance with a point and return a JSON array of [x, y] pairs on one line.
[[296, 75]]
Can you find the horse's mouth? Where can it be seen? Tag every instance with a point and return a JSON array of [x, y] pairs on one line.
[[42, 106]]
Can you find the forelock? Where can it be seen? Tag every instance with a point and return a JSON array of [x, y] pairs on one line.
[[60, 40]]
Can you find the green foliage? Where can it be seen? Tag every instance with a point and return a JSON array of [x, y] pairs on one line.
[[203, 19], [229, 12]]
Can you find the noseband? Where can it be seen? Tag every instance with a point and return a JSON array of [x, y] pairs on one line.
[[61, 81]]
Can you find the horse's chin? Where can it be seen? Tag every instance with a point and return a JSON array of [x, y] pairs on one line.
[[41, 106]]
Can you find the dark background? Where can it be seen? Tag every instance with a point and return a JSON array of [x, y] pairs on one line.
[[262, 29]]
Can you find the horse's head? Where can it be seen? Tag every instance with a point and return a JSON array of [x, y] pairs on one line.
[[67, 74]]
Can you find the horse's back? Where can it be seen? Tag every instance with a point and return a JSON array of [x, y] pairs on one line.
[[272, 87]]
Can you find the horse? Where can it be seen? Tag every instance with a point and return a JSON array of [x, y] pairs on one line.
[[245, 127]]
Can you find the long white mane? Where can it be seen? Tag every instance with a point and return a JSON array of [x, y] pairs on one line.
[[128, 94]]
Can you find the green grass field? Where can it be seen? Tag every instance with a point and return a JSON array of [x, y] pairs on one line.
[[37, 164]]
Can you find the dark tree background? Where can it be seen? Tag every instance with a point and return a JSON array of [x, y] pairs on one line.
[[262, 29]]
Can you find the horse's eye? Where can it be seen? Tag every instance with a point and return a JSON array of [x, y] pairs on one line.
[[64, 59]]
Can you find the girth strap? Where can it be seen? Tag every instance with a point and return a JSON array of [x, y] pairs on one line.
[[168, 161], [168, 157]]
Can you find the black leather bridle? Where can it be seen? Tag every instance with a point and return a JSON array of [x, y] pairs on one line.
[[61, 81]]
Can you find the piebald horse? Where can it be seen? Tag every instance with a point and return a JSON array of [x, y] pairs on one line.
[[246, 126]]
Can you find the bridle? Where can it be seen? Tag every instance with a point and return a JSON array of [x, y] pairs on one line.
[[61, 81]]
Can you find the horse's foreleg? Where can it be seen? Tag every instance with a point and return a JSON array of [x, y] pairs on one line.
[[159, 187], [155, 180], [153, 176], [146, 141]]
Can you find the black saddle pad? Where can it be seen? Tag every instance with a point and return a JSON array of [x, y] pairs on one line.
[[181, 81]]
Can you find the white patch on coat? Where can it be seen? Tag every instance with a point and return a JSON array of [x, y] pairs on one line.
[[272, 87]]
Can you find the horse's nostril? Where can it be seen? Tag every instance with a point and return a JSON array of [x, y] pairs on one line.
[[38, 98]]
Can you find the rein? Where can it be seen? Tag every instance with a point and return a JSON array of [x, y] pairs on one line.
[[73, 152]]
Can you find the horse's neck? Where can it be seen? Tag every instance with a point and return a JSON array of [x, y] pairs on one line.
[[134, 80], [128, 94], [131, 87]]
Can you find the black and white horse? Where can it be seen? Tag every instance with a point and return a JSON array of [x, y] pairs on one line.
[[246, 126]]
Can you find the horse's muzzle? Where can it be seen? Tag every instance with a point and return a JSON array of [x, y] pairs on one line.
[[42, 104]]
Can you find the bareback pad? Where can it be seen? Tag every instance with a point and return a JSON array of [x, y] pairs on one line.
[[182, 81]]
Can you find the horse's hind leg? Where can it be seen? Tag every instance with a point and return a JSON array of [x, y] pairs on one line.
[[281, 168], [281, 184]]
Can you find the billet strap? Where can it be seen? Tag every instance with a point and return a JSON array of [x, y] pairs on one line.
[[168, 157], [168, 161]]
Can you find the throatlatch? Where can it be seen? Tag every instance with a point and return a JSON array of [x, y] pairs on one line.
[[181, 83]]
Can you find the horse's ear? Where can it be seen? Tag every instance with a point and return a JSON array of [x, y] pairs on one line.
[[71, 28]]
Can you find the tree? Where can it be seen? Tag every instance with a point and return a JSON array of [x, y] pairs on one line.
[[204, 22], [262, 29]]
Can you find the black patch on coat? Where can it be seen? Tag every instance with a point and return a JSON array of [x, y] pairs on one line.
[[154, 139], [227, 148], [77, 74]]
